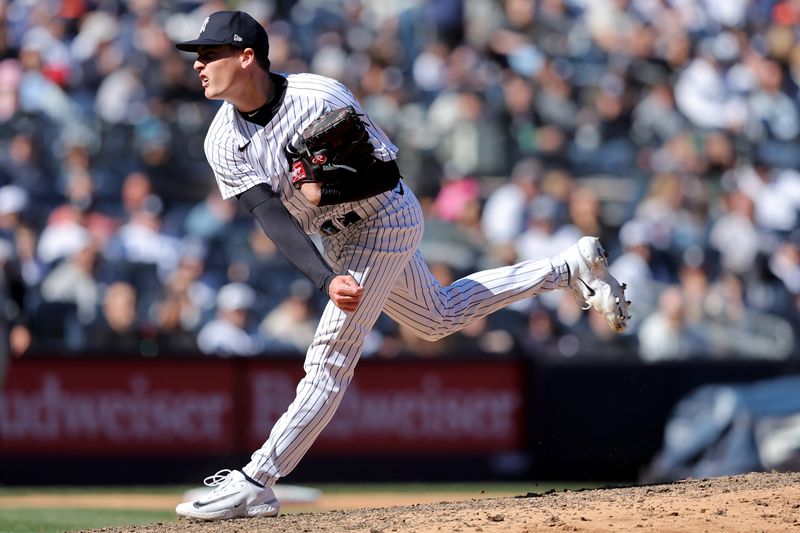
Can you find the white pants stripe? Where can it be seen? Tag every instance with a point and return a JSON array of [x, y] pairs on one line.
[[380, 252]]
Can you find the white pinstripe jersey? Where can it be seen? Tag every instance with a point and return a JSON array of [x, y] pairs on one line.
[[243, 154]]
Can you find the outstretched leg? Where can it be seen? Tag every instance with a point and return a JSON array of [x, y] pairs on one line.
[[431, 311]]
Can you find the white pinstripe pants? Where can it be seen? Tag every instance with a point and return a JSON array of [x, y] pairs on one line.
[[381, 253]]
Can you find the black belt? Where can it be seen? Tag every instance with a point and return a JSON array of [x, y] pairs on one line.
[[328, 227]]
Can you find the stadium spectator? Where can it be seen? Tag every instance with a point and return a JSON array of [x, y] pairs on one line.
[[230, 333], [666, 336], [543, 232], [506, 211], [13, 204], [210, 219], [734, 234], [785, 262], [142, 241], [117, 323], [634, 267], [174, 326], [690, 109], [69, 299], [293, 322]]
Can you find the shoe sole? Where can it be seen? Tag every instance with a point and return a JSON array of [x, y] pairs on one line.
[[266, 509], [262, 510]]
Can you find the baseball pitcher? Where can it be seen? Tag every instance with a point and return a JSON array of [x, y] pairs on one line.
[[301, 155]]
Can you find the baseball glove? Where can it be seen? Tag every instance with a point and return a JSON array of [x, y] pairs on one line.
[[334, 146]]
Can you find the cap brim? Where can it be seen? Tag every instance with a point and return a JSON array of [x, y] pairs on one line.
[[192, 46]]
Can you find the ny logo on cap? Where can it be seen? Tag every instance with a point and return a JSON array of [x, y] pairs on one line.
[[203, 27]]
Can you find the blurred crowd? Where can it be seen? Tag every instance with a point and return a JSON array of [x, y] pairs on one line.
[[669, 128]]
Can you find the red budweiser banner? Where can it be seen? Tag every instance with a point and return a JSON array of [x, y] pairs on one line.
[[78, 406], [220, 406], [415, 407]]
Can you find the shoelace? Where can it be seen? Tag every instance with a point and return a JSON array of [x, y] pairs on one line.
[[217, 479]]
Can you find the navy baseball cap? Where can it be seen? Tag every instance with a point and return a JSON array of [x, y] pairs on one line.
[[236, 28]]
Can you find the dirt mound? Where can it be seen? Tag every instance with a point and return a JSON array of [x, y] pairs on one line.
[[758, 502]]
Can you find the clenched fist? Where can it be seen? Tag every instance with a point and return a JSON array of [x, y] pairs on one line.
[[345, 293]]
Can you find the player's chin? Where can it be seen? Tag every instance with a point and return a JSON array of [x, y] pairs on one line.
[[210, 93]]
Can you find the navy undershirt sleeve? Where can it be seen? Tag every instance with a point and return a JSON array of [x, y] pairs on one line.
[[284, 230]]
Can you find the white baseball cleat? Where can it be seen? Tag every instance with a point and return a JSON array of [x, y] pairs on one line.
[[595, 287], [234, 496]]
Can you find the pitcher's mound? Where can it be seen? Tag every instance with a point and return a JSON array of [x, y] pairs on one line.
[[763, 502]]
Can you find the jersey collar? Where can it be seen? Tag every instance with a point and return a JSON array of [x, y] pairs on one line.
[[264, 114]]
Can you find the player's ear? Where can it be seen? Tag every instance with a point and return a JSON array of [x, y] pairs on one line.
[[248, 56]]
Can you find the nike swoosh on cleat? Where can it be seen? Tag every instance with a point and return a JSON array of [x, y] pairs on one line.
[[198, 504], [245, 145], [588, 288]]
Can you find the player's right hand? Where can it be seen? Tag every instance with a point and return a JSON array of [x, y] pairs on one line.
[[312, 191], [345, 293]]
